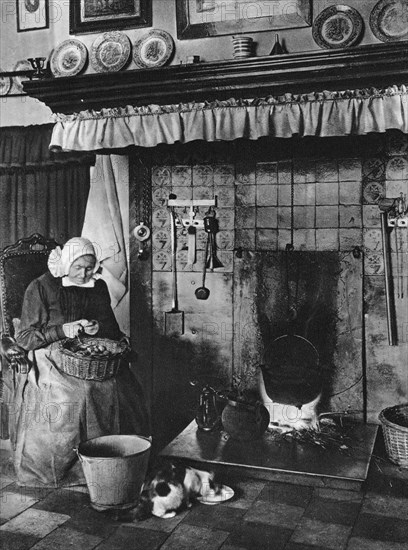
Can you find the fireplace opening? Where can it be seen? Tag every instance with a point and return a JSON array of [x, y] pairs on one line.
[[316, 193]]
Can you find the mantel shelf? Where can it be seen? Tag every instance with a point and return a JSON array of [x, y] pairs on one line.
[[376, 65]]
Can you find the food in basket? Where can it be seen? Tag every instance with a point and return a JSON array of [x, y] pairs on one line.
[[93, 350], [93, 358]]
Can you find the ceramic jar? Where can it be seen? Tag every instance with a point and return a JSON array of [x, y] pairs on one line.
[[242, 46]]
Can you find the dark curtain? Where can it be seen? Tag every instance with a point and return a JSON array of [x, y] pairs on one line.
[[40, 191]]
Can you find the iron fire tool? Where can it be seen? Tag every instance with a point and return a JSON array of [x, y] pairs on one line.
[[202, 293], [211, 227], [174, 319], [211, 260], [209, 224], [394, 215]]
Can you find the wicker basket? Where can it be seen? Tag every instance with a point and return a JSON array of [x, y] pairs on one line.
[[90, 367], [394, 421]]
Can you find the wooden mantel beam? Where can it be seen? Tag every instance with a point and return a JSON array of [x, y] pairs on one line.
[[375, 65]]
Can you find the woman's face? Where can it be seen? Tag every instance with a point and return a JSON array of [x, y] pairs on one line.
[[81, 269]]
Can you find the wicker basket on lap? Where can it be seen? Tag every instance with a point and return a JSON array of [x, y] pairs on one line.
[[91, 358]]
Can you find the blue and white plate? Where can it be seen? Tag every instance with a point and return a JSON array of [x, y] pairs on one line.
[[110, 52], [389, 20], [5, 84], [154, 49], [68, 58], [337, 27]]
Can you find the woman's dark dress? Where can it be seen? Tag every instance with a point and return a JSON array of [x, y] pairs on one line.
[[50, 411]]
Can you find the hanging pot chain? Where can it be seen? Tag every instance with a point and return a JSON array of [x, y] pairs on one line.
[[292, 304], [292, 300], [292, 210]]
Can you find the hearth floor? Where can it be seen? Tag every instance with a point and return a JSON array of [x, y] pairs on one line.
[[279, 459], [262, 515]]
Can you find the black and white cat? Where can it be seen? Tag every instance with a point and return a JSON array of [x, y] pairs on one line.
[[171, 487]]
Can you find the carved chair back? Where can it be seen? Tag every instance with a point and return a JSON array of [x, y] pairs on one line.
[[20, 263]]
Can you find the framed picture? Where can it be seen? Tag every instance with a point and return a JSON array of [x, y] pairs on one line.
[[32, 15], [203, 18], [103, 15]]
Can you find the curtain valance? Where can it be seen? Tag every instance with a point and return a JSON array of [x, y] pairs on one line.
[[26, 148], [324, 114]]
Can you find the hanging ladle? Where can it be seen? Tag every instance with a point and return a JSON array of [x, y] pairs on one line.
[[202, 292]]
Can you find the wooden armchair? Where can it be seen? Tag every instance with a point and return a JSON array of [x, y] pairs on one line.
[[20, 263]]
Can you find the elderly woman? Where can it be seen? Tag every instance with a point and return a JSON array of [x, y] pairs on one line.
[[52, 412]]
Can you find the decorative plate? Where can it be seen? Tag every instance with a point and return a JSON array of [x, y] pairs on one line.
[[337, 27], [21, 65], [110, 52], [154, 49], [5, 84], [389, 20], [69, 58]]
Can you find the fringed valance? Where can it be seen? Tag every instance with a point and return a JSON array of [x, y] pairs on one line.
[[324, 114]]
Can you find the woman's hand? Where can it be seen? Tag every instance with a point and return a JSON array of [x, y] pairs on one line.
[[14, 354], [71, 330], [91, 327]]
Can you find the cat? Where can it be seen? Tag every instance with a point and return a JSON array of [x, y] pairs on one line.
[[171, 487]]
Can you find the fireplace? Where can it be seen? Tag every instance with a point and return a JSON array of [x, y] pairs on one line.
[[314, 193], [318, 194], [336, 261]]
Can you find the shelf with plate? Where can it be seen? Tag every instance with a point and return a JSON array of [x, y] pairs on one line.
[[374, 65], [11, 82], [6, 82]]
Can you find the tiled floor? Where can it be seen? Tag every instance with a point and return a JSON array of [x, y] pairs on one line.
[[262, 515]]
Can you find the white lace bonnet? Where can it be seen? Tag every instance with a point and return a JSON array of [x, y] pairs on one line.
[[60, 260]]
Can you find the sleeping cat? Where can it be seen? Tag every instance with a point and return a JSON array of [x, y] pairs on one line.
[[171, 487]]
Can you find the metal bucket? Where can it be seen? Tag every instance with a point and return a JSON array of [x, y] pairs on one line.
[[114, 467]]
